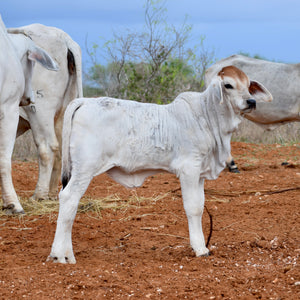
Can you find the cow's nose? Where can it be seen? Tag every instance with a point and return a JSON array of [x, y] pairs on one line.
[[251, 103]]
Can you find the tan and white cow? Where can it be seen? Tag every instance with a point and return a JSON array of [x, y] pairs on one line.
[[53, 92], [129, 140]]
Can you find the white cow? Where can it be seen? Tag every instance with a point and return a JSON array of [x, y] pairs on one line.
[[17, 58], [189, 137], [53, 92], [282, 80]]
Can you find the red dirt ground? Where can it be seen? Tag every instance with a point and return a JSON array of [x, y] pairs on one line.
[[142, 251]]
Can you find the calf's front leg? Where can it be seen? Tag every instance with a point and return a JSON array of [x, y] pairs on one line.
[[193, 201]]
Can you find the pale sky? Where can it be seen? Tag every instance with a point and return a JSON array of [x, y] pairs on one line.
[[270, 28]]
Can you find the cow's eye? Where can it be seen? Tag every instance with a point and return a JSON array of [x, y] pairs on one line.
[[228, 86]]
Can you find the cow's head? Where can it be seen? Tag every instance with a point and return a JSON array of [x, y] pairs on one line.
[[241, 92], [29, 53]]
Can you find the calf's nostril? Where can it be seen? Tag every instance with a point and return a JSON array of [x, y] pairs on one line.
[[251, 103]]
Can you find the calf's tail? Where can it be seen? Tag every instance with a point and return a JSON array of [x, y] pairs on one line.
[[66, 170]]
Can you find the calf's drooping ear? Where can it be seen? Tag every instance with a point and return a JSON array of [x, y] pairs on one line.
[[214, 90], [221, 91], [259, 92]]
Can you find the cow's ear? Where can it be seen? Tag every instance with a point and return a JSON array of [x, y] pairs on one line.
[[259, 92], [41, 56]]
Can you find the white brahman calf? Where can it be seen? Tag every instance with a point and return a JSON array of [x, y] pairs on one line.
[[189, 137], [17, 58]]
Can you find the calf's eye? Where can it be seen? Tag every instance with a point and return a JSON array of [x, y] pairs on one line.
[[228, 86]]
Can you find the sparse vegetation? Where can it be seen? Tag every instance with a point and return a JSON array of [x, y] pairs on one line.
[[153, 65]]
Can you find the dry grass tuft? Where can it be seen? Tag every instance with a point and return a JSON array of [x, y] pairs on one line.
[[96, 205]]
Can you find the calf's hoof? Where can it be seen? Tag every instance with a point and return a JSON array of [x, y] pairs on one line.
[[202, 252], [204, 255], [234, 170], [232, 167], [61, 260]]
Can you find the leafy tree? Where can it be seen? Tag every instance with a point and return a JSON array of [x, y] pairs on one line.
[[152, 66]]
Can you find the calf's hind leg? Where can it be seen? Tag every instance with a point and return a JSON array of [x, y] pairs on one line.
[[69, 197], [84, 168]]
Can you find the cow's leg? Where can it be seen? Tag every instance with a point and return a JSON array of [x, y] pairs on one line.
[[55, 175], [8, 128], [56, 170], [46, 154], [47, 147], [69, 197], [193, 200], [232, 167]]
